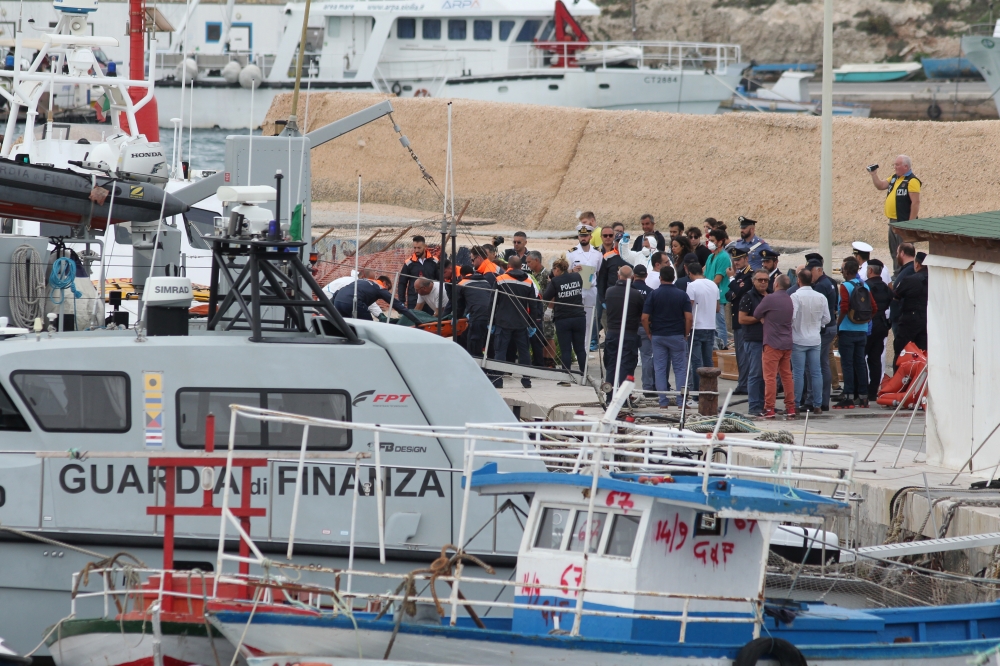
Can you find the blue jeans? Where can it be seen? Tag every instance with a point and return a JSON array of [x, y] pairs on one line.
[[754, 354], [852, 362], [805, 359], [669, 350], [721, 335], [571, 333], [646, 355], [703, 342]]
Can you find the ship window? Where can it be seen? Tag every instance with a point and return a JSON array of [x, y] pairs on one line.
[[528, 31], [10, 418], [707, 524], [505, 29], [622, 539], [551, 528], [406, 28], [547, 33], [76, 401], [579, 534], [213, 32], [456, 28], [193, 405], [431, 28], [482, 30], [322, 405]]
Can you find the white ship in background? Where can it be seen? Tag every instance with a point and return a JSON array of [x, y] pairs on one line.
[[524, 51]]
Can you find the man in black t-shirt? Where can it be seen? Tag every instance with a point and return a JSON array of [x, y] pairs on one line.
[[753, 340]]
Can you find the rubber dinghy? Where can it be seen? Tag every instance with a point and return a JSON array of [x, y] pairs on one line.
[[62, 196]]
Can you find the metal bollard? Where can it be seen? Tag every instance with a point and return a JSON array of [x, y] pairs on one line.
[[708, 391]]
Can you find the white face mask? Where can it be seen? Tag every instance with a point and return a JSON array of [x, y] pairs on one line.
[[711, 246]]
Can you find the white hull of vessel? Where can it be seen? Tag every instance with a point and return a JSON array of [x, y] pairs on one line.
[[115, 647], [229, 107], [984, 53]]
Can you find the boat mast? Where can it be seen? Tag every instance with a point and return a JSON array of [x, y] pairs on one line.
[[292, 126]]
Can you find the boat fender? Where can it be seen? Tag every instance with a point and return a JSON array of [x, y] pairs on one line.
[[186, 71], [934, 111], [777, 649], [397, 89], [231, 72], [251, 77]]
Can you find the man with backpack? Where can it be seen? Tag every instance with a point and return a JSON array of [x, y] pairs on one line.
[[857, 308]]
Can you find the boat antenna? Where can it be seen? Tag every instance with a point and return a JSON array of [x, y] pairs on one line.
[[302, 154], [293, 124], [357, 253], [250, 147]]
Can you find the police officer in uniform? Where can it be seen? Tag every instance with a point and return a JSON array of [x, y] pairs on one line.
[[741, 283], [750, 242], [769, 262]]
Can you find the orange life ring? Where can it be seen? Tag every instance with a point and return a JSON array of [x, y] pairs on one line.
[[422, 92]]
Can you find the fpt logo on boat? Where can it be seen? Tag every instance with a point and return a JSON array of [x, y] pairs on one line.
[[460, 4], [382, 399]]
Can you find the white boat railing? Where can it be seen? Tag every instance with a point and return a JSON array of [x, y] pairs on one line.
[[56, 51], [702, 56], [591, 449]]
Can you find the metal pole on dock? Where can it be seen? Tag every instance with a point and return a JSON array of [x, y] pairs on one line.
[[826, 151]]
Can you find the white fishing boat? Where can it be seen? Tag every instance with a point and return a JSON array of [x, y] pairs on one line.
[[876, 71], [523, 51], [790, 94]]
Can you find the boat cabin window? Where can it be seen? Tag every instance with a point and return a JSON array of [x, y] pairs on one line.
[[551, 528], [213, 32], [482, 31], [456, 29], [528, 30], [579, 535], [406, 28], [622, 538], [431, 28], [547, 33], [505, 29], [10, 418], [76, 401], [616, 541], [194, 404]]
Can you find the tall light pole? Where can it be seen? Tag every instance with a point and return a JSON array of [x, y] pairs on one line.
[[826, 151]]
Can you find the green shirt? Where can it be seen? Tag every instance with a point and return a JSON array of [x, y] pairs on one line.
[[718, 264]]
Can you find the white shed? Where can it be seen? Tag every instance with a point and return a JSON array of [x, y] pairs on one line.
[[963, 321]]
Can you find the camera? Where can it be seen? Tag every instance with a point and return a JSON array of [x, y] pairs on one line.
[[872, 167], [497, 241]]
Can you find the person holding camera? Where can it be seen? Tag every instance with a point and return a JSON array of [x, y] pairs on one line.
[[903, 200]]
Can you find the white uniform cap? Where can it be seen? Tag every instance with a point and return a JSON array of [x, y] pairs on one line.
[[862, 247], [584, 227]]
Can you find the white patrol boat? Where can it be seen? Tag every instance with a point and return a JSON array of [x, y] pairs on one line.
[[81, 412]]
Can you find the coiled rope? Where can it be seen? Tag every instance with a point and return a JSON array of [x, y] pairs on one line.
[[27, 286], [63, 277]]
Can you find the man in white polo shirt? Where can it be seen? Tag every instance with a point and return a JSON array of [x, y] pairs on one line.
[[704, 295]]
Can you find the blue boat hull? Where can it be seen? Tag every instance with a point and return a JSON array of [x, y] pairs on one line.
[[272, 634]]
